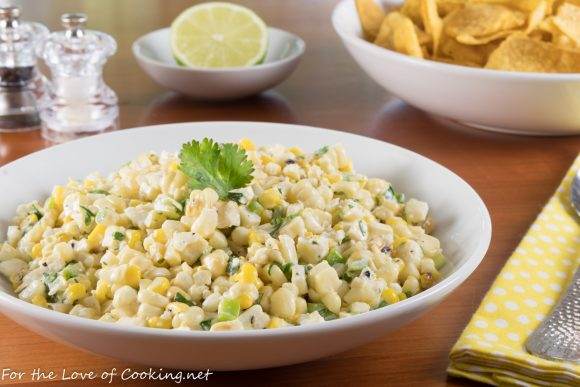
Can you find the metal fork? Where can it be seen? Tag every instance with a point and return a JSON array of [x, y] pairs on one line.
[[558, 336]]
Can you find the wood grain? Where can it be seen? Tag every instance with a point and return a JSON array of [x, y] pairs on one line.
[[514, 176]]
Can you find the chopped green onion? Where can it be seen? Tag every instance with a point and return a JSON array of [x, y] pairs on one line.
[[439, 260], [321, 151], [322, 310], [334, 257], [391, 194], [181, 298], [71, 270], [118, 235], [99, 191], [89, 215], [255, 207], [205, 324], [233, 265], [228, 309], [37, 212], [49, 276]]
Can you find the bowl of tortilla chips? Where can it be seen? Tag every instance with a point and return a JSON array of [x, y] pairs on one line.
[[503, 65]]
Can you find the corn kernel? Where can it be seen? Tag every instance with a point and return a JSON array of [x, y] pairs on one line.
[[64, 238], [245, 301], [265, 159], [158, 322], [96, 236], [31, 218], [160, 285], [402, 296], [248, 274], [75, 292], [58, 196], [308, 234], [36, 251], [346, 168], [67, 219], [135, 203], [389, 296], [297, 151], [132, 276], [276, 322], [159, 236], [255, 237], [334, 178], [247, 144], [177, 307], [39, 300], [134, 239], [399, 241], [102, 291], [270, 198], [174, 166], [89, 184]]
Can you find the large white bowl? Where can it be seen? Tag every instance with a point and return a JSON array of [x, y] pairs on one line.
[[515, 102], [153, 53], [463, 226]]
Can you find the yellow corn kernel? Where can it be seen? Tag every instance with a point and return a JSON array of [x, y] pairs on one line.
[[89, 184], [255, 237], [58, 196], [135, 203], [31, 218], [276, 322], [39, 300], [75, 292], [402, 296], [346, 168], [158, 322], [134, 239], [64, 238], [334, 178], [36, 251], [308, 234], [259, 284], [96, 236], [132, 276], [102, 291], [160, 285], [177, 307], [297, 151], [67, 219], [159, 236], [399, 241], [270, 198], [245, 301], [265, 159], [174, 166], [247, 144], [248, 274], [389, 296], [338, 226]]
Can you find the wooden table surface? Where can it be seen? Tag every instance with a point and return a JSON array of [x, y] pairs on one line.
[[514, 176]]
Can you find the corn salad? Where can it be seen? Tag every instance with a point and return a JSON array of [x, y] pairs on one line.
[[308, 240]]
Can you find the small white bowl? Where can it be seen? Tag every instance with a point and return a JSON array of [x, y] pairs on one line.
[[514, 102], [153, 53]]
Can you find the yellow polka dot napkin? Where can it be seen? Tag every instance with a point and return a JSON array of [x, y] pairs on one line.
[[491, 348]]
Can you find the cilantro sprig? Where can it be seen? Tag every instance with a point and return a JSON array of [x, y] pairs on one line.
[[222, 167]]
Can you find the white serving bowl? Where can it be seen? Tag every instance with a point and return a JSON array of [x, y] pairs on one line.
[[463, 226], [514, 102], [153, 53]]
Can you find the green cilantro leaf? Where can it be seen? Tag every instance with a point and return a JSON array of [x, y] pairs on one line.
[[222, 167]]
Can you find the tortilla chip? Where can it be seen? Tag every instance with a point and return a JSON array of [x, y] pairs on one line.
[[412, 9], [482, 19], [398, 33], [537, 15], [568, 21], [463, 53], [371, 16], [521, 53], [432, 22]]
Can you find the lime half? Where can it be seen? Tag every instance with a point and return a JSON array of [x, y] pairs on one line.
[[218, 35]]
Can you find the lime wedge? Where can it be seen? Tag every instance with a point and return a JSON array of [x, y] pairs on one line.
[[218, 35]]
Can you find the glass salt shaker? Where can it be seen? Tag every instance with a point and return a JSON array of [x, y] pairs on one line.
[[77, 101], [20, 83]]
